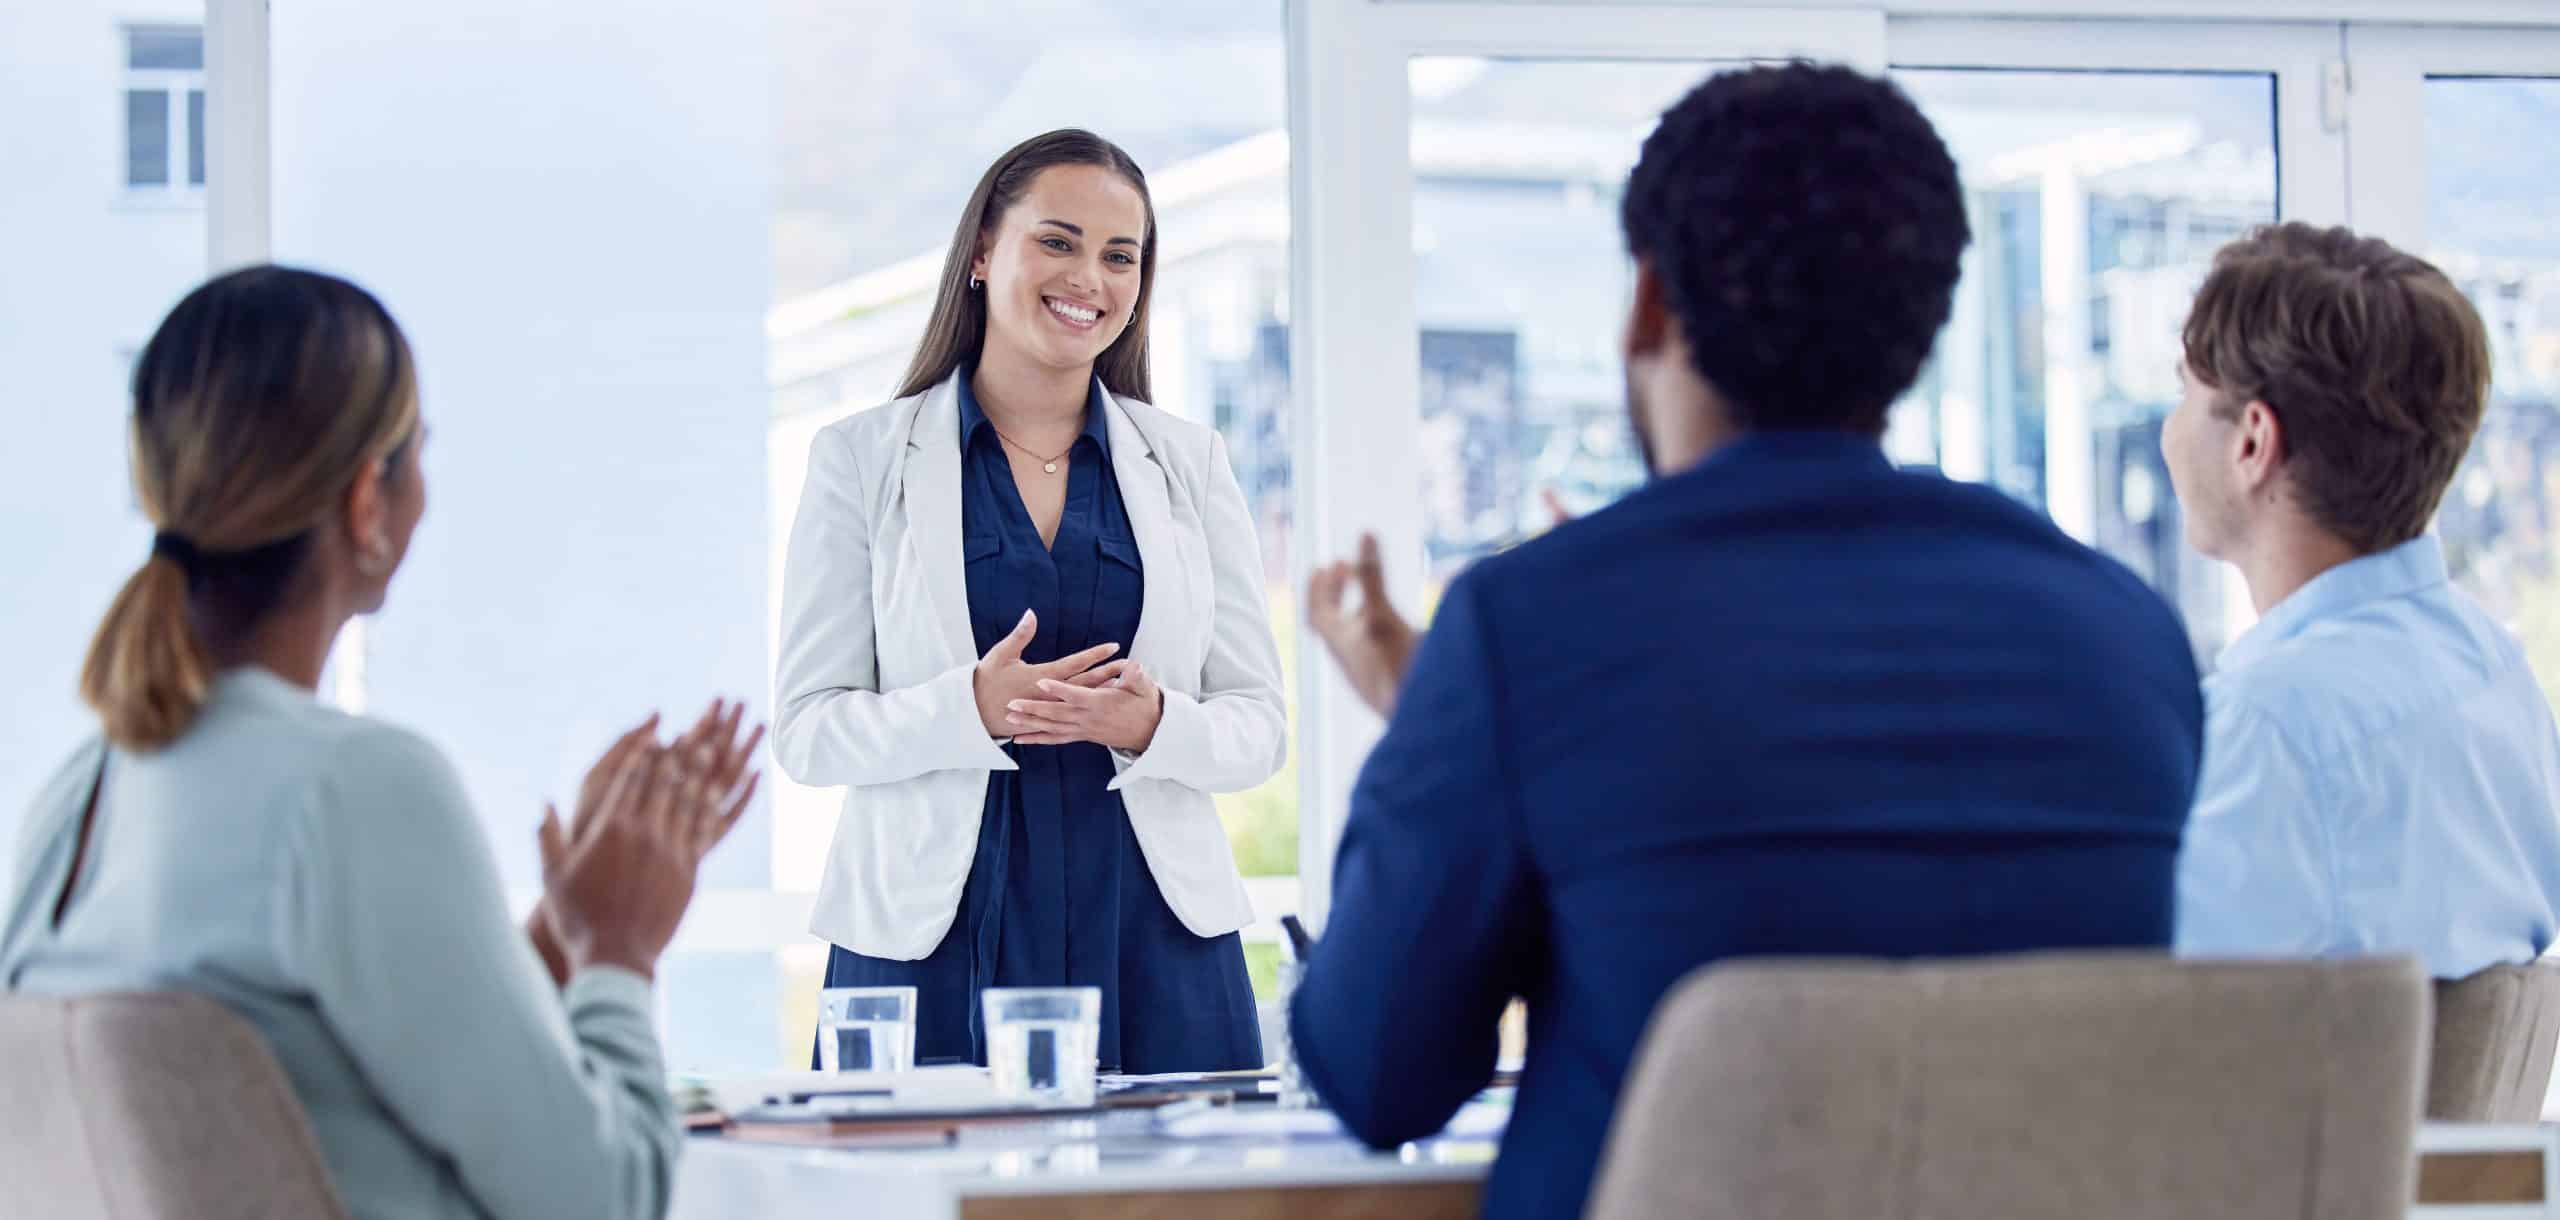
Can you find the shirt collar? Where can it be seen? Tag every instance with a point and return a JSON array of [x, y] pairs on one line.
[[2407, 568], [1797, 445], [1097, 425], [260, 684]]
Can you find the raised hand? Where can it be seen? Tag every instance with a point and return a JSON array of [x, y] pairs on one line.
[[1372, 643], [1003, 677], [617, 881], [1117, 705], [713, 749]]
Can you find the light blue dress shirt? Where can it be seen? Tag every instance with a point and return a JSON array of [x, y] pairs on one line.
[[2380, 776], [323, 876]]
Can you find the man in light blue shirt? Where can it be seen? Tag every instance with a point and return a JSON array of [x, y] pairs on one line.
[[2381, 768]]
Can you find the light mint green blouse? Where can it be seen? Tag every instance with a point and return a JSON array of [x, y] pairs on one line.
[[323, 875]]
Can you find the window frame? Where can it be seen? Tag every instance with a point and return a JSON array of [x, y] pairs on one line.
[[1354, 338], [2391, 64], [174, 85], [2309, 130]]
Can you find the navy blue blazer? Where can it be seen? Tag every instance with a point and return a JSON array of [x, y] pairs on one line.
[[1792, 701]]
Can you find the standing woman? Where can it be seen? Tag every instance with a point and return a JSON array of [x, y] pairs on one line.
[[1023, 621]]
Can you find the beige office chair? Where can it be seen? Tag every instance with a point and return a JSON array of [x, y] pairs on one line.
[[2095, 1087], [2493, 1044], [149, 1107]]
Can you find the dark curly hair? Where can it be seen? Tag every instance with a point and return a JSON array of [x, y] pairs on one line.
[[1805, 224]]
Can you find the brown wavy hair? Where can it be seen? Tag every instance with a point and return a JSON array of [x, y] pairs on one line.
[[957, 331], [255, 405], [2374, 363]]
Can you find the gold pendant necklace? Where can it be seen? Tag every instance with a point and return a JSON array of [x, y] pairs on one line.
[[1048, 465]]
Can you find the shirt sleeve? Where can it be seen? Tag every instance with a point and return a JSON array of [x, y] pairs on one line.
[[832, 722], [550, 1105], [1435, 915], [2257, 874]]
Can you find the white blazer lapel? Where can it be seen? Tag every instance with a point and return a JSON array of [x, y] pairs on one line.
[[932, 494], [1142, 490]]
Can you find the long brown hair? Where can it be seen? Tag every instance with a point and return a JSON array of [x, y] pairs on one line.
[[958, 328], [255, 405]]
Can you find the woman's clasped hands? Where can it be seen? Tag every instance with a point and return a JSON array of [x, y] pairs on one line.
[[1080, 698]]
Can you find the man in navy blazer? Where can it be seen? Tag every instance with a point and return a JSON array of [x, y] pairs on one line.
[[1785, 699]]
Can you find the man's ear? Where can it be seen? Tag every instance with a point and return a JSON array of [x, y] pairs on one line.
[[2258, 444], [1648, 316]]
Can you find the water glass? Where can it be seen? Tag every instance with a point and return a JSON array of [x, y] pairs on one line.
[[866, 1029], [1041, 1043], [1294, 1092]]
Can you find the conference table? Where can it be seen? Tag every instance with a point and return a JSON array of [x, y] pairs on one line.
[[1120, 1165], [1132, 1165]]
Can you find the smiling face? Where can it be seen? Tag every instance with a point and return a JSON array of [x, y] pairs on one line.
[[1062, 268]]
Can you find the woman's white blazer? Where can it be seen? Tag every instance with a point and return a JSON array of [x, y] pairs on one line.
[[873, 687]]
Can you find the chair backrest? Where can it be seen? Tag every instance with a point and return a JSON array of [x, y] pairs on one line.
[[2494, 1037], [149, 1107], [2094, 1086]]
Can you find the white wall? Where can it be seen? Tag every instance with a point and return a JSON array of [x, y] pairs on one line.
[[566, 206], [84, 276]]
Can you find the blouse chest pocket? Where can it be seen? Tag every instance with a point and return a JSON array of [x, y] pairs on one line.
[[1119, 587]]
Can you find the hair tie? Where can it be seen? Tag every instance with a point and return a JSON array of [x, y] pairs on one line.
[[177, 549]]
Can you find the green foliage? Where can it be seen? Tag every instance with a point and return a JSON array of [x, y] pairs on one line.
[[1262, 825]]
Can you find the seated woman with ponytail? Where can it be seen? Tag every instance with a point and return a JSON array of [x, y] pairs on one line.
[[323, 874]]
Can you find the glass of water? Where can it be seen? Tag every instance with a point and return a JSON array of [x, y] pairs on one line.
[[1041, 1043], [866, 1029]]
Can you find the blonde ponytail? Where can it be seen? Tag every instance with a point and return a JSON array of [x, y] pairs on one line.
[[148, 672]]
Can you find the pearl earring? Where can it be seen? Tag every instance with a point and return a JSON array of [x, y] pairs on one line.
[[974, 282]]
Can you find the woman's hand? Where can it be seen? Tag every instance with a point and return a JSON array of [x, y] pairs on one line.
[[617, 882], [713, 749], [591, 794], [1003, 678], [1116, 705]]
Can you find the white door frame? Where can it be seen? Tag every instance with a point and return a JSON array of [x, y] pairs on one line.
[[2387, 147], [1354, 349]]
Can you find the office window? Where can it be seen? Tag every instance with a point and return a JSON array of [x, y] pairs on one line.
[[164, 108], [2097, 201], [2489, 227], [1521, 279], [881, 140]]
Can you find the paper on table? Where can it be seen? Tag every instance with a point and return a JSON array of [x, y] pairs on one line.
[[1482, 1119], [1231, 1122], [939, 1088], [1110, 1079]]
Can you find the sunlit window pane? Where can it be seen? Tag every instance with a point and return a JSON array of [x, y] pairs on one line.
[[2489, 226], [2097, 201], [146, 137]]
